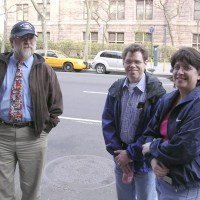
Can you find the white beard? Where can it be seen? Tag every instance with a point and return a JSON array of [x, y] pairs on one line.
[[24, 53]]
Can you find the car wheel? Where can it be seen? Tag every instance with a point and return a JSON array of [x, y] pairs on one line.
[[68, 67], [100, 69], [77, 70]]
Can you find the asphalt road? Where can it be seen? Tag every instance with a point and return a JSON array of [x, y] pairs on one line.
[[77, 164]]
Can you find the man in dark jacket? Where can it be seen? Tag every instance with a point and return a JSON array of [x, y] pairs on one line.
[[130, 104], [30, 103]]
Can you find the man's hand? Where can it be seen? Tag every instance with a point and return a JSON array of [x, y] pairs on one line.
[[127, 169], [159, 168], [121, 158], [146, 148]]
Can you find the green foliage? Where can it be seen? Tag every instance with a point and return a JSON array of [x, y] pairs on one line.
[[75, 49], [7, 47], [165, 53]]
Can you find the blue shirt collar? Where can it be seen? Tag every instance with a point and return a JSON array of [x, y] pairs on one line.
[[27, 63], [141, 85]]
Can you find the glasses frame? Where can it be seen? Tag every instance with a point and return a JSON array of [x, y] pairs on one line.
[[25, 37]]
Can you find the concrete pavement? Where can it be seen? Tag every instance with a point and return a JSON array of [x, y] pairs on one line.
[[162, 69]]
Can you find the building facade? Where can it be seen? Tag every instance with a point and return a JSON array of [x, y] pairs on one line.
[[161, 22]]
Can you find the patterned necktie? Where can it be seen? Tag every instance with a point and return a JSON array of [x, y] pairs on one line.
[[16, 96]]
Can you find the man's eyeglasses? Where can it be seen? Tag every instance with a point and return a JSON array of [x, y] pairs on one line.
[[129, 62], [25, 37]]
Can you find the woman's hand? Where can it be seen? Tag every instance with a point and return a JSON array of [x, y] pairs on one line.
[[146, 148], [159, 168]]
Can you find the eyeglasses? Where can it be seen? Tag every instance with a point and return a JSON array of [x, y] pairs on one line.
[[130, 62], [25, 37], [183, 67]]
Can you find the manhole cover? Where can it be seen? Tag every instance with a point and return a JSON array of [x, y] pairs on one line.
[[80, 172]]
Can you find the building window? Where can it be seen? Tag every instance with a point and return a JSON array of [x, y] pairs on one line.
[[114, 37], [93, 37], [196, 41], [40, 7], [144, 10], [40, 35], [117, 9], [197, 10], [141, 37], [22, 12], [95, 6]]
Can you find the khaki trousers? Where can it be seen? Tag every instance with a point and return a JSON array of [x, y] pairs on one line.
[[19, 145]]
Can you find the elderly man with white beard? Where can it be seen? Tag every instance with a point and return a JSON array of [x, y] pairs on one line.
[[30, 103]]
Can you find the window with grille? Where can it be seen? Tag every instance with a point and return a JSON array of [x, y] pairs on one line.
[[144, 9], [196, 41], [40, 6], [197, 9], [39, 34], [22, 12], [117, 9], [95, 7], [142, 37], [93, 37], [116, 37]]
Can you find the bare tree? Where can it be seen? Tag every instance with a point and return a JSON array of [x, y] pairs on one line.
[[88, 4], [5, 13], [3, 43], [102, 13], [170, 12], [42, 15]]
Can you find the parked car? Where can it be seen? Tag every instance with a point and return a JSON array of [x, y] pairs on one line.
[[57, 59], [107, 61]]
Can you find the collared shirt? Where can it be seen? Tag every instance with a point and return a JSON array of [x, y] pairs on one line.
[[133, 94], [5, 89]]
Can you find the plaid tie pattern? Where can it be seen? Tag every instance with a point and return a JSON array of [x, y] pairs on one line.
[[16, 96]]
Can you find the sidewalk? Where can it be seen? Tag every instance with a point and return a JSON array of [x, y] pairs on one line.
[[162, 69]]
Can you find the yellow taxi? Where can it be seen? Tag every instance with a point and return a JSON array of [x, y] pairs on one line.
[[57, 59]]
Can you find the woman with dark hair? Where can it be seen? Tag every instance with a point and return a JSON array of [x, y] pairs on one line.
[[173, 135]]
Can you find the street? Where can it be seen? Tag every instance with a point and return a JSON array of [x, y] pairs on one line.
[[77, 164]]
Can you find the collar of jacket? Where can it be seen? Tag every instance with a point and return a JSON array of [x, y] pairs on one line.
[[170, 97], [153, 87], [4, 58]]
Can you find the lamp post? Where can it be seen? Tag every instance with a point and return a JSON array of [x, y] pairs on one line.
[[151, 30]]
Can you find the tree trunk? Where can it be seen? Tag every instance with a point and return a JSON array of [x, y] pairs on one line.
[[89, 4], [4, 37], [43, 22], [44, 31]]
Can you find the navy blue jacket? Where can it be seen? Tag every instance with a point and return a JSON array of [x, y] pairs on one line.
[[181, 154], [111, 120]]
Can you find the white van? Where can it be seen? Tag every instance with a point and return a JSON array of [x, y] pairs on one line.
[[107, 61]]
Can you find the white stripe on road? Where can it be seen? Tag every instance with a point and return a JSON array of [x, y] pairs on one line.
[[93, 92], [82, 120]]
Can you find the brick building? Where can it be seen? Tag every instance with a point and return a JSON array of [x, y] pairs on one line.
[[121, 21]]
